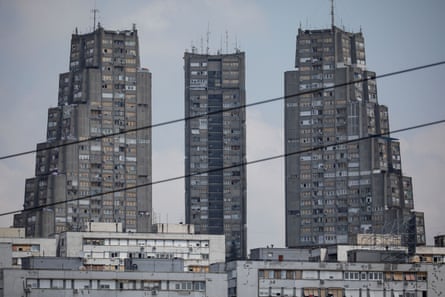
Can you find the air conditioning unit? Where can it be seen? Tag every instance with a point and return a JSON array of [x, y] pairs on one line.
[[75, 291], [154, 292]]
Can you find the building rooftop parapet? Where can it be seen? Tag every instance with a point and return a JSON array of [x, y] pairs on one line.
[[174, 228], [331, 253], [12, 232], [103, 227]]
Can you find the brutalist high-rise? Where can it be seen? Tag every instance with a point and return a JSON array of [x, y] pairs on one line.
[[104, 94], [352, 182], [215, 201]]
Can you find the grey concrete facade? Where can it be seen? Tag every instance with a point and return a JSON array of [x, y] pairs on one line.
[[337, 187], [154, 265], [105, 92], [215, 202], [439, 241], [15, 247], [429, 254], [52, 263], [55, 283], [334, 253], [281, 254], [304, 279], [236, 278]]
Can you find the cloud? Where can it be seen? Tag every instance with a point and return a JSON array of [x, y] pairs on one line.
[[265, 184], [35, 45], [173, 24], [265, 194], [168, 197], [12, 186], [423, 158]]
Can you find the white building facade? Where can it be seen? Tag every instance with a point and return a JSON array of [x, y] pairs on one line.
[[107, 250], [55, 283], [14, 246], [305, 279]]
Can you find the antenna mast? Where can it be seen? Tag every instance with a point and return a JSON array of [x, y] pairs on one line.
[[208, 37], [94, 11], [227, 42], [202, 46], [332, 13]]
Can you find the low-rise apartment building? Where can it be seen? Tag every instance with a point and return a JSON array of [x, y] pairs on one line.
[[309, 279], [168, 280], [14, 246], [106, 250], [429, 254]]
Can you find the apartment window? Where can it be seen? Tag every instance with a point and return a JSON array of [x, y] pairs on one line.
[[199, 286], [310, 292], [129, 42], [186, 286], [45, 283], [352, 275], [410, 276], [421, 276], [32, 283]]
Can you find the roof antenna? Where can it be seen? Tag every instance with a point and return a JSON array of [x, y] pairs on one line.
[[332, 13], [236, 43], [227, 42], [202, 46], [94, 11], [193, 47], [208, 36]]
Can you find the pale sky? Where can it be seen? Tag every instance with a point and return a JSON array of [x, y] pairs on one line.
[[35, 38]]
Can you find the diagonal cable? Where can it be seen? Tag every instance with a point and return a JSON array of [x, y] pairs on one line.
[[316, 148], [223, 110]]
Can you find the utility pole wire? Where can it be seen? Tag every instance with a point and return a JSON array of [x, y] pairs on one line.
[[223, 110], [228, 167]]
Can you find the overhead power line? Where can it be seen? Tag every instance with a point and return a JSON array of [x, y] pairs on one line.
[[223, 110], [227, 167]]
